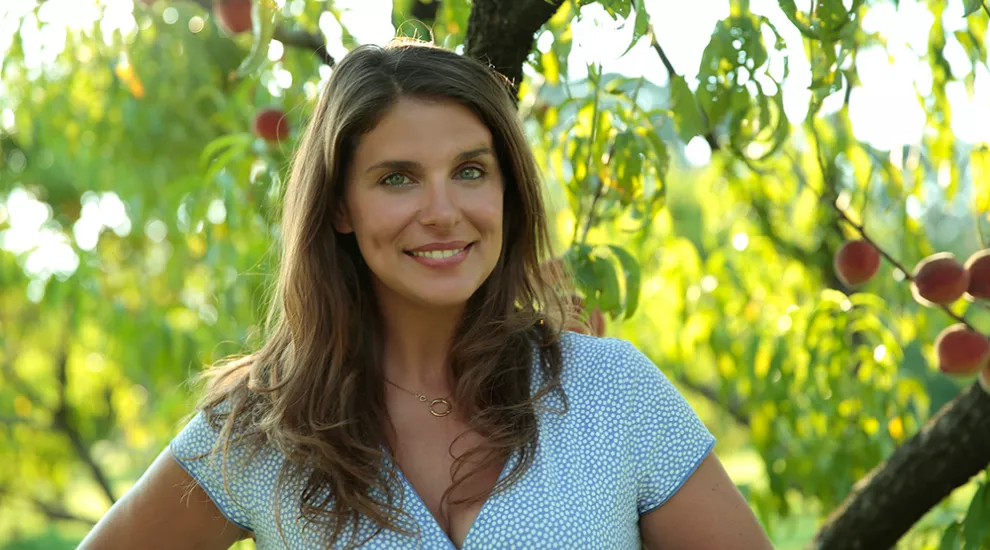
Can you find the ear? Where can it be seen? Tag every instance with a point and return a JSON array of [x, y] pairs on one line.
[[342, 219]]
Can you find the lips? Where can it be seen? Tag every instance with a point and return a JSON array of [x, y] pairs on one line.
[[437, 253], [449, 245]]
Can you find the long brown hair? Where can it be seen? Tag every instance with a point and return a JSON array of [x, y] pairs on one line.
[[315, 390]]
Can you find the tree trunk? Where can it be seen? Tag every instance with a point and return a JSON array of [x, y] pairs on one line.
[[952, 447], [502, 32]]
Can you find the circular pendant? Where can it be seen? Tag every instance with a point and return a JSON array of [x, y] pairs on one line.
[[439, 401]]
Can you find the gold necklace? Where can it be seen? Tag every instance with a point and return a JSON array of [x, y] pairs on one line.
[[424, 399]]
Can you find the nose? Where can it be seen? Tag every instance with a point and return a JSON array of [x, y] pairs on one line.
[[440, 205]]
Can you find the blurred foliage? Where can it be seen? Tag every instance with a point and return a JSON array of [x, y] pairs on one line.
[[138, 217]]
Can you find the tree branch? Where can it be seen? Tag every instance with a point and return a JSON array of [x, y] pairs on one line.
[[57, 512], [949, 450], [907, 273], [733, 405], [62, 422], [302, 39], [501, 33], [782, 244]]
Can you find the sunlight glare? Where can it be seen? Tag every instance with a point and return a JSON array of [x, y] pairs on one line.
[[334, 35], [740, 241], [698, 152], [49, 252], [275, 50], [27, 216], [709, 283]]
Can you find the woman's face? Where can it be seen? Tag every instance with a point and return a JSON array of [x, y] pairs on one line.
[[424, 200]]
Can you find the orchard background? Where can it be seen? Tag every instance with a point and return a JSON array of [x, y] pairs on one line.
[[706, 160]]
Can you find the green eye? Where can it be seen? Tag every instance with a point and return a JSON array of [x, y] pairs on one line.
[[472, 173], [393, 180]]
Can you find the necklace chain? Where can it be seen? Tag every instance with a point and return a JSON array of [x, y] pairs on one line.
[[423, 399]]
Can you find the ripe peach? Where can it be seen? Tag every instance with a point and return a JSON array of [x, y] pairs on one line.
[[271, 125], [962, 351], [856, 262], [978, 267], [233, 15], [939, 279]]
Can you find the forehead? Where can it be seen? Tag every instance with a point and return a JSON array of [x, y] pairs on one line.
[[423, 131]]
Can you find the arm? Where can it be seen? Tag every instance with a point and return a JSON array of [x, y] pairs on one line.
[[160, 512], [706, 513]]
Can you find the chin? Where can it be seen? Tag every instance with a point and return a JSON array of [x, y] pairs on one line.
[[444, 298]]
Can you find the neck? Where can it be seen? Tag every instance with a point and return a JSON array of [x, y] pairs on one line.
[[417, 345]]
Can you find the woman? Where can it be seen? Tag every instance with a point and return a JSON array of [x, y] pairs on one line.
[[416, 390]]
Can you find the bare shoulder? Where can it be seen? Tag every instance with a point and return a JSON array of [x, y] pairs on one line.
[[707, 513], [165, 507]]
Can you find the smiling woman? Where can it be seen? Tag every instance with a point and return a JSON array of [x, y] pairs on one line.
[[424, 200], [416, 389]]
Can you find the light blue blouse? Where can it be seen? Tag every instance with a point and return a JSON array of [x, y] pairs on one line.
[[627, 444]]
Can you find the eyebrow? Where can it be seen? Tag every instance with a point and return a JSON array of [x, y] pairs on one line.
[[411, 164]]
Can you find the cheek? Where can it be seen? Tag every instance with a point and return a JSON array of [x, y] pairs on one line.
[[490, 210], [379, 222]]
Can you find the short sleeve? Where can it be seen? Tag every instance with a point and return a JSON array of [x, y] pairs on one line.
[[668, 440], [193, 448]]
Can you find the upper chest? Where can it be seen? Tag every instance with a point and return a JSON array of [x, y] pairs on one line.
[[425, 449], [577, 493]]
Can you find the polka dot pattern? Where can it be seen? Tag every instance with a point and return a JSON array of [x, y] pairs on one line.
[[627, 444]]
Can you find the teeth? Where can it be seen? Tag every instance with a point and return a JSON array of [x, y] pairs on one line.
[[437, 254]]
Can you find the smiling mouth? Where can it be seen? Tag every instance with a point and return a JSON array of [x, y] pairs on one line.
[[438, 254]]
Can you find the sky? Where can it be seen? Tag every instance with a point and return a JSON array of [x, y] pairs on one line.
[[884, 110]]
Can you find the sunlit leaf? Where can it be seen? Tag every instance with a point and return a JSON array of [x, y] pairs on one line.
[[971, 7], [631, 271], [976, 525], [687, 118]]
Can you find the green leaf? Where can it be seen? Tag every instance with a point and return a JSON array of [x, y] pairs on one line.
[[660, 159], [977, 522], [972, 6], [641, 27], [222, 160], [631, 270], [687, 117], [796, 17], [617, 8], [229, 140], [626, 163], [950, 539], [827, 84], [979, 170], [579, 258], [551, 69], [263, 14], [609, 295]]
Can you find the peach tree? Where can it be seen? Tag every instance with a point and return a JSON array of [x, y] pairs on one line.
[[728, 216]]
